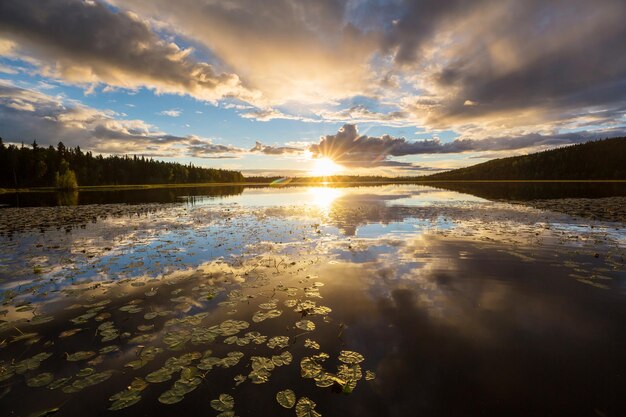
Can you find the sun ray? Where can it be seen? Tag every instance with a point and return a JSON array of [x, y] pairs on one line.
[[324, 167]]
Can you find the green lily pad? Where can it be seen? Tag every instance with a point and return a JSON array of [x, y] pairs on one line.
[[350, 357], [59, 383], [70, 332], [40, 380], [278, 342], [261, 315], [307, 325], [170, 397], [129, 396], [47, 412], [224, 402], [284, 358], [306, 408], [80, 356], [286, 398], [85, 372], [311, 344]]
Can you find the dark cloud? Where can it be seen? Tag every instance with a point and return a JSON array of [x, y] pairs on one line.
[[89, 42], [349, 148], [416, 21], [548, 58]]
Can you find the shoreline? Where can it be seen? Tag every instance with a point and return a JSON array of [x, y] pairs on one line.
[[130, 187]]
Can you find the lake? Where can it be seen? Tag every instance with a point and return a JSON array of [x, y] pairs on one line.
[[452, 299]]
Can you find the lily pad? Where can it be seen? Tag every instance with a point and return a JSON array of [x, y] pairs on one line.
[[350, 357], [278, 342], [40, 380], [311, 344], [306, 408], [80, 356], [224, 402], [286, 398], [307, 325]]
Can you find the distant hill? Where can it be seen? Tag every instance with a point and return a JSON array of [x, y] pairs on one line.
[[595, 160]]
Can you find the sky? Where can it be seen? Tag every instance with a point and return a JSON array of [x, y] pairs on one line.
[[301, 87]]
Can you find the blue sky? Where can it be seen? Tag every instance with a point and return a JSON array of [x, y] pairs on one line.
[[386, 87]]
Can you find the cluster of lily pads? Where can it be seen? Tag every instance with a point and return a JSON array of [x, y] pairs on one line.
[[178, 329]]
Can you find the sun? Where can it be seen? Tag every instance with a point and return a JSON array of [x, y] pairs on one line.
[[324, 167]]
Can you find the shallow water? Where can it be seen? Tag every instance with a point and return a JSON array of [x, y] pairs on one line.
[[443, 303]]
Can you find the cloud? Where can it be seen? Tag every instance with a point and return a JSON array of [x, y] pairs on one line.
[[348, 148], [301, 51], [361, 114], [267, 114], [27, 115], [505, 64], [171, 112], [90, 43], [276, 150], [490, 70]]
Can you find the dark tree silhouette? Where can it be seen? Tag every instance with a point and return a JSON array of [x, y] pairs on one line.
[[595, 160], [34, 166]]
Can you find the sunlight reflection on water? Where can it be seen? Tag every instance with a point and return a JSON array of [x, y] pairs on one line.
[[453, 300]]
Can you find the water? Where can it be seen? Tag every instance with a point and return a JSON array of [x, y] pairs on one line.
[[489, 299]]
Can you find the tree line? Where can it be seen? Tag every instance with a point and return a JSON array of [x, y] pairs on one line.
[[36, 166], [596, 160]]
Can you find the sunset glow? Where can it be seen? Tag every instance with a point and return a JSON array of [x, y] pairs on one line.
[[324, 167]]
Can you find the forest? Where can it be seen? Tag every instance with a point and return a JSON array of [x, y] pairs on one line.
[[596, 160], [63, 167]]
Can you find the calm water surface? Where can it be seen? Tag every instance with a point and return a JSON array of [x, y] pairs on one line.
[[396, 300]]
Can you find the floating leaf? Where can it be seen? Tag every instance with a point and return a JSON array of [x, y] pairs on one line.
[[89, 381], [80, 356], [351, 375], [278, 342], [5, 372], [350, 357], [129, 396], [59, 383], [70, 332], [308, 343], [307, 325], [306, 408], [225, 402], [170, 397], [286, 398], [109, 349], [45, 413], [85, 372], [369, 375], [30, 364], [284, 358], [309, 368], [40, 380], [261, 315], [160, 375]]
